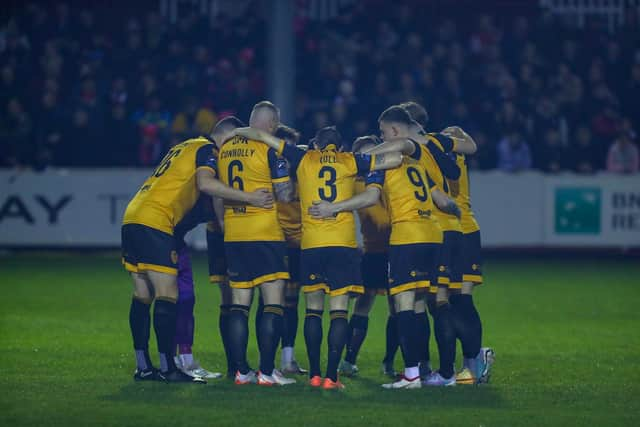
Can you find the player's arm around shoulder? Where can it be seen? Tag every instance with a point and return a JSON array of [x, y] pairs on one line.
[[463, 143], [207, 183]]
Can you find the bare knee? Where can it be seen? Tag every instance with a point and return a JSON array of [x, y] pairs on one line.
[[315, 300], [272, 292]]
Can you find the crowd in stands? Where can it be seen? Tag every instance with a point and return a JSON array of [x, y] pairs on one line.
[[84, 88]]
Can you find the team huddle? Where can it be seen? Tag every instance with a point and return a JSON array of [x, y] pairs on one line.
[[281, 218]]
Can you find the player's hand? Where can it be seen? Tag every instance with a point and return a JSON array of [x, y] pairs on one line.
[[455, 131], [322, 209], [261, 198]]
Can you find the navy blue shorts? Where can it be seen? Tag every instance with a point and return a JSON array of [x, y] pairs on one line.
[[411, 266], [216, 256], [450, 261], [471, 265], [147, 249], [249, 264], [334, 269]]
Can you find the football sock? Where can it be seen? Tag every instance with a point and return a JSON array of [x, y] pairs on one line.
[[287, 355], [258, 320], [290, 326], [223, 325], [270, 332], [140, 324], [186, 359], [407, 336], [423, 335], [338, 336], [412, 373], [164, 324], [445, 337], [185, 324], [238, 336], [468, 325], [392, 342], [358, 326], [313, 340]]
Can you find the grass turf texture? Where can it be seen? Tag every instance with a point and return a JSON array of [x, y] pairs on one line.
[[565, 333]]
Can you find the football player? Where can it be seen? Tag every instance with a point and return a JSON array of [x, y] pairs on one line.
[[149, 248], [255, 246], [330, 261], [414, 241], [375, 230]]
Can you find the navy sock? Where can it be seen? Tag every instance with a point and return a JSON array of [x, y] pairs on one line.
[[164, 324], [223, 325], [270, 332], [445, 337], [290, 326], [423, 335], [407, 325], [313, 340], [358, 326], [338, 335], [392, 341], [467, 324], [140, 324], [238, 330]]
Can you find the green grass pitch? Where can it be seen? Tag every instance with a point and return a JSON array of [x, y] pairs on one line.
[[565, 333]]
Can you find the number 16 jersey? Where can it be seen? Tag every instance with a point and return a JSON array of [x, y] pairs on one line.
[[171, 191], [328, 175]]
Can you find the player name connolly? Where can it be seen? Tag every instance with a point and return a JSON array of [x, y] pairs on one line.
[[238, 152]]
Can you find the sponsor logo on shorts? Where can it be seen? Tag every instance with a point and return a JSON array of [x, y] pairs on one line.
[[475, 266], [174, 257], [442, 268], [312, 276]]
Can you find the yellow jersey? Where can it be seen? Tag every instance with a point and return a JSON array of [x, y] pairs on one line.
[[249, 165], [375, 224], [171, 191], [461, 194], [327, 175], [406, 191], [290, 218], [426, 157]]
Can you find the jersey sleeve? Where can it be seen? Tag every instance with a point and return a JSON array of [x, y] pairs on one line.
[[417, 150], [375, 178], [364, 163], [447, 165], [447, 143], [293, 154], [206, 158], [278, 166]]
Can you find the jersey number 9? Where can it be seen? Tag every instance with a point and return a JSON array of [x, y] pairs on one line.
[[330, 192], [417, 181], [236, 181]]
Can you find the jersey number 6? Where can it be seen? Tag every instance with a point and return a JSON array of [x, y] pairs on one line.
[[235, 181]]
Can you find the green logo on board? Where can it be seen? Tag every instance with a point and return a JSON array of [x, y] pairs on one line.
[[577, 210]]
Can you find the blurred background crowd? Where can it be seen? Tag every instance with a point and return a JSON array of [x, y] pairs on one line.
[[104, 86]]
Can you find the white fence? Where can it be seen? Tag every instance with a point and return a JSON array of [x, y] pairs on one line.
[[83, 208]]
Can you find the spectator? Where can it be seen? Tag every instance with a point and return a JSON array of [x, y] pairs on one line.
[[514, 154], [584, 157], [623, 155], [552, 156]]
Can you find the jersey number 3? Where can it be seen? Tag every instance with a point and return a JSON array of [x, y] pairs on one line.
[[329, 192]]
